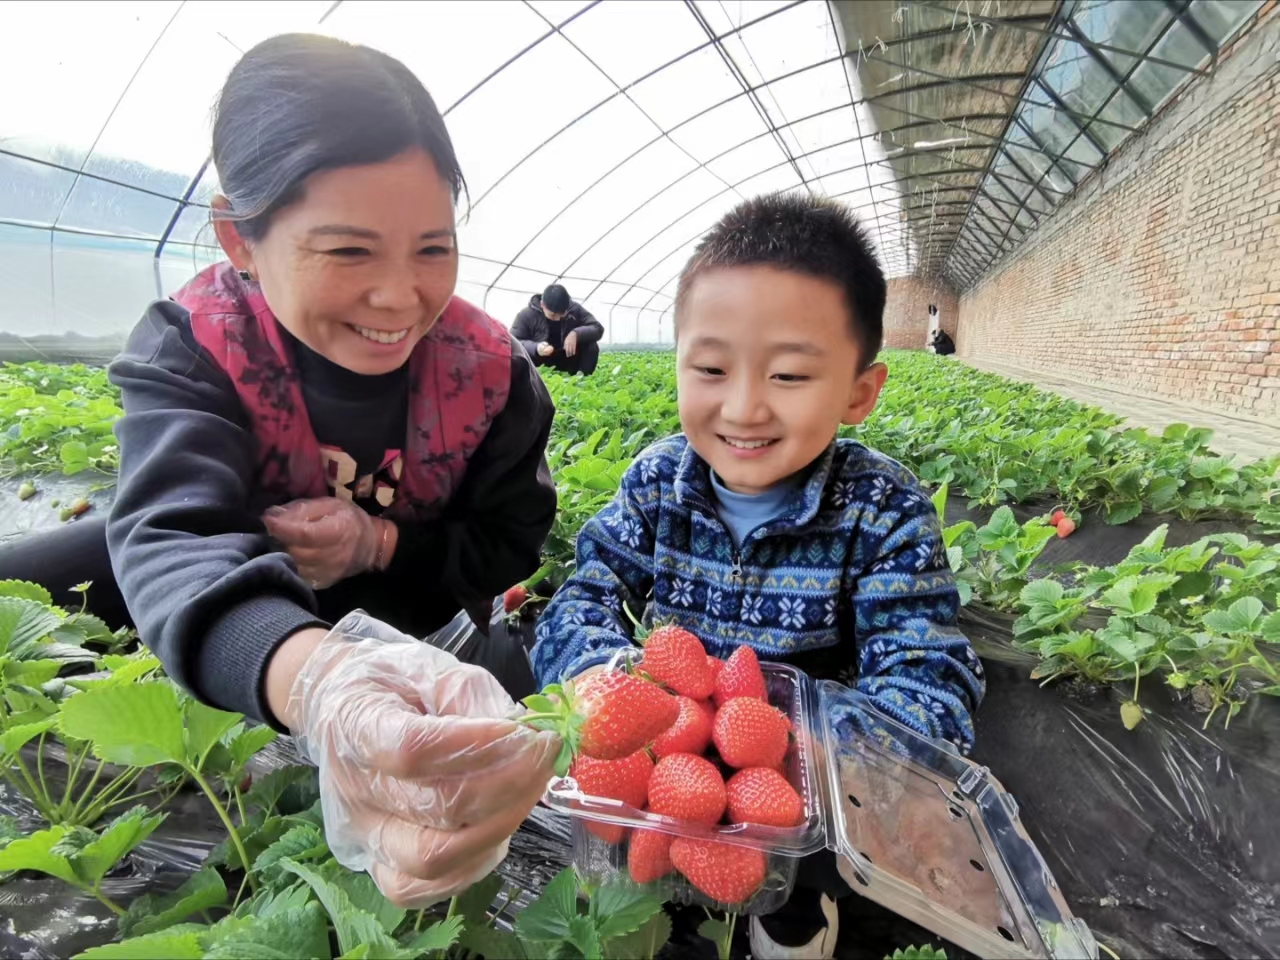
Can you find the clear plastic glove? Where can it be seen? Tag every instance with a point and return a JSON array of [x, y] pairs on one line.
[[329, 539], [423, 775]]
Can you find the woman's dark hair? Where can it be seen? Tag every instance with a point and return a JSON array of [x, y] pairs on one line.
[[299, 103]]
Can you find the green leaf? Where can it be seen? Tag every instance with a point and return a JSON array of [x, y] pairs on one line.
[[269, 792], [36, 853], [175, 943], [474, 904], [918, 953], [139, 724], [245, 744], [1162, 491], [23, 624], [645, 943], [1194, 584], [583, 935], [303, 842], [123, 835], [1243, 616], [204, 726], [939, 499], [438, 936], [1271, 628], [151, 912], [491, 944], [1041, 591], [717, 931], [290, 934], [18, 736], [1123, 512], [26, 591], [353, 927], [547, 918], [1135, 596], [363, 894], [74, 455], [619, 908]]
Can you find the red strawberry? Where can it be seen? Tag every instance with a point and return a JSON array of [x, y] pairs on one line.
[[691, 733], [514, 598], [674, 656], [621, 714], [763, 796], [750, 733], [741, 677], [1066, 527], [1055, 518], [626, 780], [726, 873], [649, 855], [716, 665], [686, 787]]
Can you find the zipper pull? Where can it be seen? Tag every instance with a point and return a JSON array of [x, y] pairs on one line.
[[736, 572]]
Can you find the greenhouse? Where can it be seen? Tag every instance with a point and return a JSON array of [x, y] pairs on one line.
[[828, 503]]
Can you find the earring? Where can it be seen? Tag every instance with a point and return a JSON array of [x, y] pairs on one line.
[[246, 276]]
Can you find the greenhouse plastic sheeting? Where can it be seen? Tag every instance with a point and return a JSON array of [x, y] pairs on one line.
[[599, 139]]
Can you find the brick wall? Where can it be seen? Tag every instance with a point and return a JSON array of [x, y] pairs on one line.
[[906, 311], [1162, 275]]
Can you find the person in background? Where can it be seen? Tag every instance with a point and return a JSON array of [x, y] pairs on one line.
[[758, 526], [942, 344], [320, 425], [558, 332]]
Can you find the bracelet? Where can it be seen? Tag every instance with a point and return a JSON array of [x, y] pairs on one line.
[[379, 563]]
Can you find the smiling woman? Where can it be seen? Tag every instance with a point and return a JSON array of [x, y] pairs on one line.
[[320, 425]]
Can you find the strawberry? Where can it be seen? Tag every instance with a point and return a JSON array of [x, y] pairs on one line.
[[758, 795], [687, 787], [1066, 527], [750, 733], [626, 780], [741, 677], [514, 598], [726, 873], [675, 657], [716, 665], [1056, 517], [608, 716], [649, 855], [691, 733]]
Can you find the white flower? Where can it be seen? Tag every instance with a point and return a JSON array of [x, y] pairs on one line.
[[648, 469], [714, 596], [628, 531], [879, 489], [751, 612], [792, 612], [829, 612], [682, 593], [843, 493]]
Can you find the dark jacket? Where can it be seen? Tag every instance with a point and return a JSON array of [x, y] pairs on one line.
[[943, 345], [212, 594], [532, 326]]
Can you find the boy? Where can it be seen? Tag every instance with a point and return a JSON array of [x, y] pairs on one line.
[[756, 525]]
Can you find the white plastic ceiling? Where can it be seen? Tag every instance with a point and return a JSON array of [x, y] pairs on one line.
[[599, 140]]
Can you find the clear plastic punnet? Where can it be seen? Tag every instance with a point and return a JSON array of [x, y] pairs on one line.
[[919, 829]]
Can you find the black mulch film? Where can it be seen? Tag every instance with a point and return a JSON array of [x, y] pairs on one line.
[[1161, 838]]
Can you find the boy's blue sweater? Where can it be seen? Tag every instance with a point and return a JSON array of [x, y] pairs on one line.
[[851, 580]]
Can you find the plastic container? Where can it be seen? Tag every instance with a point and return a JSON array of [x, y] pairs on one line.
[[920, 830]]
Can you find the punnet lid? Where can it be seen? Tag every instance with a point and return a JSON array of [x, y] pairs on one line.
[[934, 838]]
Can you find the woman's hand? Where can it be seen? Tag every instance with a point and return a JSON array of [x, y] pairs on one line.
[[423, 775], [331, 539]]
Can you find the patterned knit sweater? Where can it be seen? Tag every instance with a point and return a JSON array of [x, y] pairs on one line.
[[850, 582]]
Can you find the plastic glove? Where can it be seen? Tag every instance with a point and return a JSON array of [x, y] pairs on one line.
[[423, 775], [329, 539]]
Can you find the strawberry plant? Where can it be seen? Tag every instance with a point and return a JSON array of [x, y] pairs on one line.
[[57, 418]]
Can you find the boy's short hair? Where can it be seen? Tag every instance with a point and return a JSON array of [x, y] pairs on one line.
[[815, 236]]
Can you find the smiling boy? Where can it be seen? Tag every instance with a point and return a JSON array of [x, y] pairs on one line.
[[758, 526]]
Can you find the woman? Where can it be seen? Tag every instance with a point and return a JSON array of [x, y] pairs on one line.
[[325, 393]]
